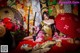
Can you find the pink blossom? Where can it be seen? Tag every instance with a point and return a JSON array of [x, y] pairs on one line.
[[40, 37]]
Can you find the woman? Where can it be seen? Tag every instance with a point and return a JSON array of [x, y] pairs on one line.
[[46, 29], [43, 33], [47, 25]]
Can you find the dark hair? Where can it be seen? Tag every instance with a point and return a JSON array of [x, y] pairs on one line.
[[46, 13]]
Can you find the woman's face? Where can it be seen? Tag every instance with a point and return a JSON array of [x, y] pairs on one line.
[[45, 17]]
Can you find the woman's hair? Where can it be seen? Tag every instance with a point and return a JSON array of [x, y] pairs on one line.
[[46, 13]]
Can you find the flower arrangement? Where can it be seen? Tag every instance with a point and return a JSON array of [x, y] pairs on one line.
[[16, 29]]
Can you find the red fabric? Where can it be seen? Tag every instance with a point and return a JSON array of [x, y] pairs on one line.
[[31, 43], [67, 24], [69, 47], [66, 47], [56, 49]]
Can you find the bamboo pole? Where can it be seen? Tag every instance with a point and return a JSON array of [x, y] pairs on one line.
[[28, 19], [34, 21]]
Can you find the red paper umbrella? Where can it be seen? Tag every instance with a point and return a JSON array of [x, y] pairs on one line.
[[67, 24]]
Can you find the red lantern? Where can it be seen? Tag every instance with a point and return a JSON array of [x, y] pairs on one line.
[[67, 23]]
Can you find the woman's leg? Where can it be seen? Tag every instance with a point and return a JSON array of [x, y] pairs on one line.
[[28, 37]]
